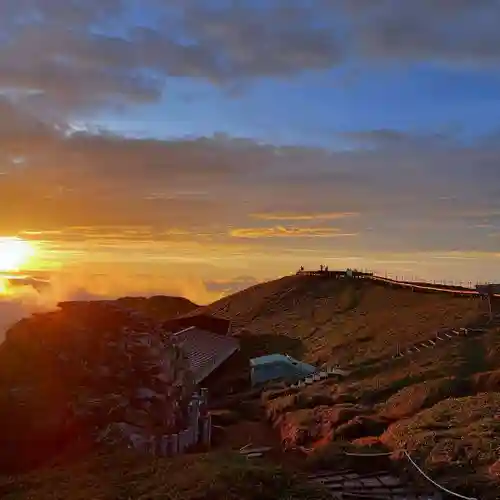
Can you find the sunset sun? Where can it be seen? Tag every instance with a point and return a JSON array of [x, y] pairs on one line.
[[14, 253]]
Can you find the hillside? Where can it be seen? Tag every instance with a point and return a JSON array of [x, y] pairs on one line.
[[343, 321], [121, 474], [439, 403]]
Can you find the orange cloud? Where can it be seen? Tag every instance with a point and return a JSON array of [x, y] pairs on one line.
[[304, 216], [291, 232], [111, 233]]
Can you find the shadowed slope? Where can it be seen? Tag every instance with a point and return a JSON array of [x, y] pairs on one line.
[[126, 475]]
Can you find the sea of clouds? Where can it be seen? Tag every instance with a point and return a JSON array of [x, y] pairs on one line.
[[20, 301]]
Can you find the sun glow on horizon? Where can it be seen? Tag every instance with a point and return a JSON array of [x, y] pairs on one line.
[[15, 253]]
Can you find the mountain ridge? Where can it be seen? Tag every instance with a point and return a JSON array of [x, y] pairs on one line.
[[385, 403]]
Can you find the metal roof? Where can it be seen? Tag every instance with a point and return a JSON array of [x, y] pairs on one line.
[[281, 358], [205, 350], [269, 358], [206, 322]]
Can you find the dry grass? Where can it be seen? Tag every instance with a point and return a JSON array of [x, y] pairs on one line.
[[389, 403], [457, 439], [344, 321], [362, 324]]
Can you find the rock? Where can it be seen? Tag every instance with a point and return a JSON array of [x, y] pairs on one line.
[[410, 400], [361, 426], [342, 413], [369, 442], [87, 367], [494, 469], [297, 428]]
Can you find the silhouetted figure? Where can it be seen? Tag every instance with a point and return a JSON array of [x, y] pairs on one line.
[[321, 268], [326, 269], [302, 268]]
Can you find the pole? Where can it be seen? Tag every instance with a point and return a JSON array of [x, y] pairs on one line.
[[490, 296]]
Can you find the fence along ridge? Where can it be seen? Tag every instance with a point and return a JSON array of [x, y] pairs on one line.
[[431, 287]]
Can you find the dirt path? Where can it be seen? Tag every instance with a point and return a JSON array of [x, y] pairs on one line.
[[256, 432]]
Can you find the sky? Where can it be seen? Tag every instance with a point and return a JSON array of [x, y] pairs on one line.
[[196, 147]]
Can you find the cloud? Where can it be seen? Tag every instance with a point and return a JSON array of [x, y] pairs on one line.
[[429, 30], [289, 232], [391, 139], [116, 233], [103, 191], [21, 301], [303, 217], [132, 182], [61, 57], [99, 191], [37, 284], [77, 58], [229, 286]]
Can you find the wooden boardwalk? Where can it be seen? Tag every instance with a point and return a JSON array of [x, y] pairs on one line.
[[371, 476], [357, 481], [376, 485]]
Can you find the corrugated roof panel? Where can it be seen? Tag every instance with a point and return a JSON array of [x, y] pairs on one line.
[[205, 350]]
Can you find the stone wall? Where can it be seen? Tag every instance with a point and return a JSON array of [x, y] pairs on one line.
[[197, 431]]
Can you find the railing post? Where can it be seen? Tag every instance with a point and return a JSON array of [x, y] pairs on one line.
[[195, 420], [164, 445], [207, 430], [175, 444], [204, 395]]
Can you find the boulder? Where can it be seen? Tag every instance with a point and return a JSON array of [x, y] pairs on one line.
[[414, 398], [361, 426], [87, 368], [494, 469]]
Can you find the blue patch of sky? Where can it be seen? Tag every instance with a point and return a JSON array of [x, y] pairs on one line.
[[314, 107]]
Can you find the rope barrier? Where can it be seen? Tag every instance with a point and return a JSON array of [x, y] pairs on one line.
[[442, 488], [407, 455], [381, 454]]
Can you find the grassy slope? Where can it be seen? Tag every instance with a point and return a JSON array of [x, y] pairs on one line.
[[361, 324], [124, 475], [341, 322], [344, 322]]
